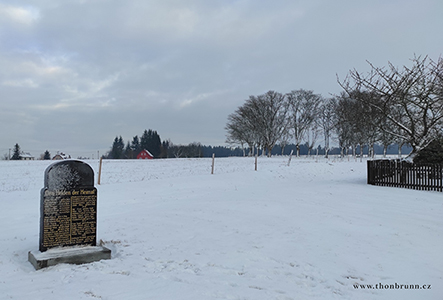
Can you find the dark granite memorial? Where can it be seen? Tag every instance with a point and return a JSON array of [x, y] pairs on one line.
[[68, 216]]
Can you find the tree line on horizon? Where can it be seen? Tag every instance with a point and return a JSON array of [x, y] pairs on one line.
[[386, 106], [167, 149], [198, 150], [150, 140]]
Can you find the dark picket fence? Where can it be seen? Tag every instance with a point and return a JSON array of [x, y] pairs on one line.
[[404, 174]]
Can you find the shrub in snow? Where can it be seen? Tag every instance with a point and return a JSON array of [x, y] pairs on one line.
[[432, 154]]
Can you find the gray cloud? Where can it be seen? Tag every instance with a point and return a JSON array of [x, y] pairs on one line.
[[74, 74]]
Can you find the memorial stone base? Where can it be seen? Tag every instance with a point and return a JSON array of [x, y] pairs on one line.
[[68, 255]]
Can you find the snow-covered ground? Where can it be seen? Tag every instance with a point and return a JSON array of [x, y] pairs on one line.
[[312, 230]]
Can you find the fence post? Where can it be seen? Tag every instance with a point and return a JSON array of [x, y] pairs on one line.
[[369, 166], [290, 156], [256, 155], [213, 159], [440, 176], [100, 171]]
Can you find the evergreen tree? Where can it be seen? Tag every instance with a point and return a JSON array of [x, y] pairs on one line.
[[155, 144], [47, 155], [144, 140], [16, 154], [151, 141], [117, 150], [432, 154], [135, 146], [127, 152]]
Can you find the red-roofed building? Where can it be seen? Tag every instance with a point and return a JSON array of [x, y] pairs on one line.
[[145, 154]]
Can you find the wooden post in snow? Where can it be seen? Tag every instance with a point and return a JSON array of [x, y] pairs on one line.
[[290, 157], [100, 171], [256, 155], [213, 159]]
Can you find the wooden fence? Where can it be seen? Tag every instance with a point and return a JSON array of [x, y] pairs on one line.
[[397, 173]]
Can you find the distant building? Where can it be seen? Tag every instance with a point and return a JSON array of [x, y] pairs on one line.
[[145, 154], [26, 156], [60, 156]]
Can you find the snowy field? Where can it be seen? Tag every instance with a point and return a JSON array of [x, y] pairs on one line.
[[313, 230]]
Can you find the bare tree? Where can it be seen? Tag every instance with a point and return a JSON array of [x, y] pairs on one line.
[[175, 151], [236, 133], [303, 107], [284, 141], [260, 122], [386, 140], [357, 121], [241, 129], [311, 137], [269, 115], [344, 124], [326, 120], [411, 99], [191, 150]]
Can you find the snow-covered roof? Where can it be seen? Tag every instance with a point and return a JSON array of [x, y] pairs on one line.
[[26, 155], [61, 155], [148, 152]]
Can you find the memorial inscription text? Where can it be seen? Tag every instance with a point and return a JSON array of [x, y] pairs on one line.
[[69, 217]]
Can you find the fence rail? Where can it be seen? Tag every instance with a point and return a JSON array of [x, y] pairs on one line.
[[397, 173]]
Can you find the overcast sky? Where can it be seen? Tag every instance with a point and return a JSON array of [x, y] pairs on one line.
[[76, 73]]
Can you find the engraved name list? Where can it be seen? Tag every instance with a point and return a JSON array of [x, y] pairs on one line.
[[69, 218]]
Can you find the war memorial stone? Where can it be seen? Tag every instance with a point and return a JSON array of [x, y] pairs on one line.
[[68, 217]]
